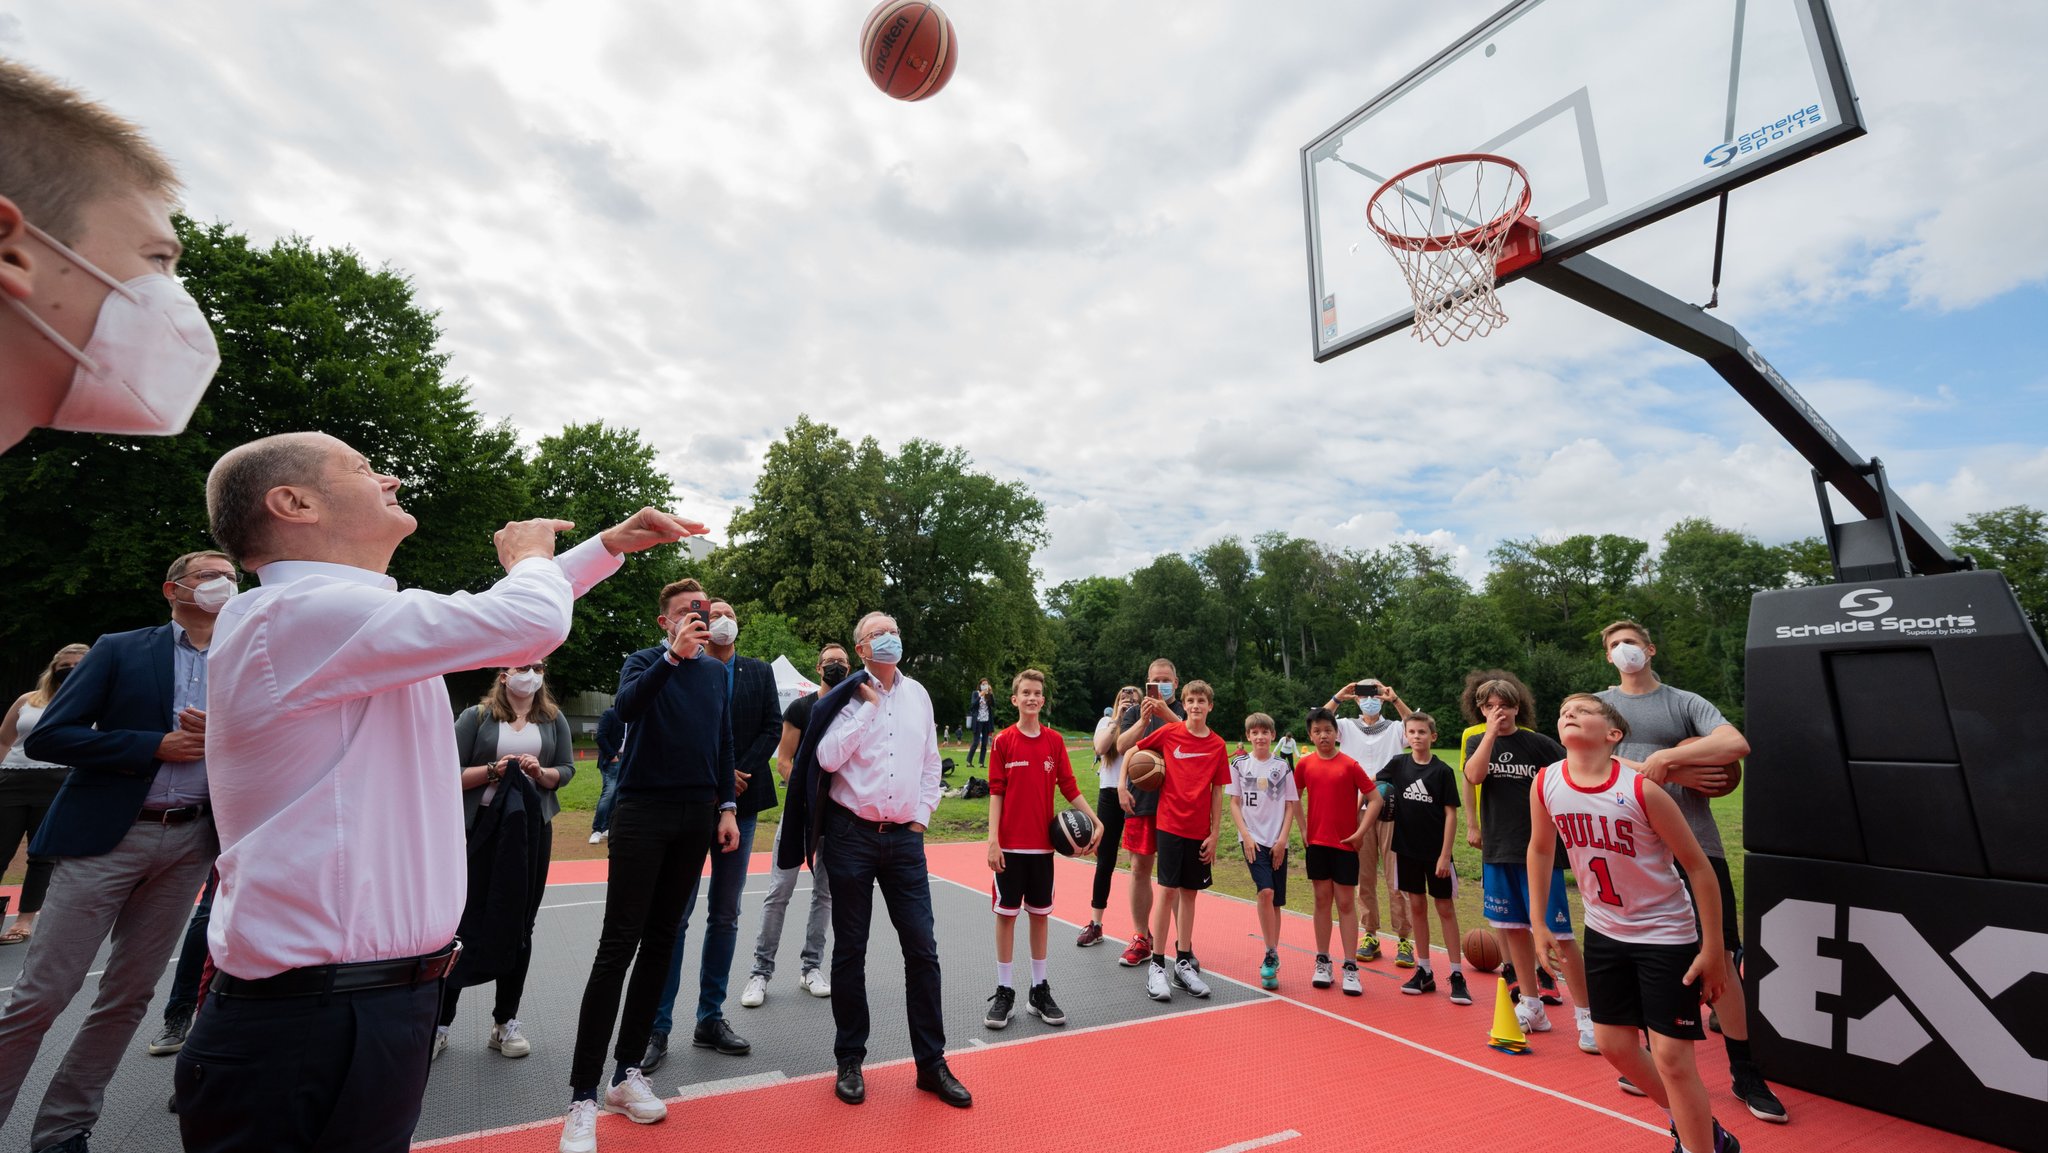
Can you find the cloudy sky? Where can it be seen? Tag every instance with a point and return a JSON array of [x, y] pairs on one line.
[[1083, 261]]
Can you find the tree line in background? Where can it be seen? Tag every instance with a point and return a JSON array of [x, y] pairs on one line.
[[312, 339]]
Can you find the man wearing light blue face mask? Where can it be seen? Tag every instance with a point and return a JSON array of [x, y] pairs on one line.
[[96, 333]]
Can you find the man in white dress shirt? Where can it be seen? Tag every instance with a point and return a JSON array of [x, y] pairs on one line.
[[335, 792], [882, 757]]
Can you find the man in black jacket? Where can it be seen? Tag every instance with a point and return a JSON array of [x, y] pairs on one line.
[[755, 719], [675, 799]]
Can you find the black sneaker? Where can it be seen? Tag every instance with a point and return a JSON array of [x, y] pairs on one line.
[[999, 1007], [1629, 1087], [172, 1038], [1459, 994], [1546, 987], [1724, 1141], [1421, 982], [1514, 983], [1751, 1091], [1039, 1003], [716, 1034]]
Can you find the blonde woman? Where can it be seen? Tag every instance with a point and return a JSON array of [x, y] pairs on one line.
[[27, 787], [517, 727]]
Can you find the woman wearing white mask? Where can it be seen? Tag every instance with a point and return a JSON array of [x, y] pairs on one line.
[[27, 786], [517, 727]]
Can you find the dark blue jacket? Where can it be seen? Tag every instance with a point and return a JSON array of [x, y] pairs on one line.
[[105, 723], [611, 740], [756, 719], [681, 744], [803, 805]]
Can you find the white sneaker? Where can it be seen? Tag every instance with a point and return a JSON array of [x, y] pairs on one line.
[[1188, 975], [755, 993], [815, 984], [1155, 982], [635, 1099], [508, 1041], [1530, 1016], [1322, 978], [579, 1132], [1351, 986], [440, 1043], [1586, 1042], [596, 838]]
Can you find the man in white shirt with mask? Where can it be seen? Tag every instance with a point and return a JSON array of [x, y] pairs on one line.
[[337, 795], [1372, 740], [96, 334]]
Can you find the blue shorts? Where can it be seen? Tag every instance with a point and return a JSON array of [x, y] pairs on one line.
[[1507, 899], [1263, 876]]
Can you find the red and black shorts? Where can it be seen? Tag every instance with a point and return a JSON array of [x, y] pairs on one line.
[[1024, 885]]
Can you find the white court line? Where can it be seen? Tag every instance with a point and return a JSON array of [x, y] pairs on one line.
[[1259, 1142], [725, 1085], [1396, 1038]]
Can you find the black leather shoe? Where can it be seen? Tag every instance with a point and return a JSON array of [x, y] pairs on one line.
[[716, 1034], [657, 1052], [851, 1087], [940, 1082]]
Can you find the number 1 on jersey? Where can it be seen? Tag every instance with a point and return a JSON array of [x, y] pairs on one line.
[[1603, 885]]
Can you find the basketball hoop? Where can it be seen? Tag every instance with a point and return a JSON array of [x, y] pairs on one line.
[[1455, 225]]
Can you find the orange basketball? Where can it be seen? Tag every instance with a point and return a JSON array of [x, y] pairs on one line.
[[908, 48], [1482, 951], [1144, 770]]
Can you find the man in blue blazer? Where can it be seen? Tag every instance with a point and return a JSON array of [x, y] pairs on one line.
[[133, 841]]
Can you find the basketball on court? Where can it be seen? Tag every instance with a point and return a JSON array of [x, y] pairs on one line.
[[1071, 831], [908, 48], [1482, 951], [1144, 769]]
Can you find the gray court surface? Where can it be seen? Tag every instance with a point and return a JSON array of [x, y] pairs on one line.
[[473, 1089]]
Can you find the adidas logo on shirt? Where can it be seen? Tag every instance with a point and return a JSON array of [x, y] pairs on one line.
[[1416, 792]]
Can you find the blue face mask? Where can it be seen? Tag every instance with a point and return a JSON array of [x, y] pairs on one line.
[[1371, 706], [885, 649]]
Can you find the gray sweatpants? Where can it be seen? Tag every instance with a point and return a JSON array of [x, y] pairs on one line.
[[781, 885], [141, 893]]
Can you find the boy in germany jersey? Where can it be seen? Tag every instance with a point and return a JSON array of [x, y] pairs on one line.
[[1649, 963]]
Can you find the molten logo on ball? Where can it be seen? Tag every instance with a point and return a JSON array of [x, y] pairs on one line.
[[908, 48]]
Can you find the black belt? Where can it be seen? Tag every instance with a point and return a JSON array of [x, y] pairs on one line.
[[354, 977], [176, 816], [863, 822]]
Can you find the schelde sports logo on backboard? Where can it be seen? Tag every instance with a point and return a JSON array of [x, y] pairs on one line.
[[1749, 143], [1869, 610]]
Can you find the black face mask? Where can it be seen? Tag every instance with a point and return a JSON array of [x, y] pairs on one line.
[[57, 676], [832, 672]]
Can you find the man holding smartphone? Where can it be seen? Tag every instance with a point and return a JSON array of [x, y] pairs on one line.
[[1372, 741], [1154, 709]]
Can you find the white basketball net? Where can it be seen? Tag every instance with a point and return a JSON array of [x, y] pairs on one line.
[[1444, 223]]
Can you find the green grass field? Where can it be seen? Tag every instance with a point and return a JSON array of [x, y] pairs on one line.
[[964, 820]]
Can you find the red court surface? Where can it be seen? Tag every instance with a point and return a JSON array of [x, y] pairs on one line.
[[1301, 1069]]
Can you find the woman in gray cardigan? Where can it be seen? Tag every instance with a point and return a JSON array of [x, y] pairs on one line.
[[517, 727]]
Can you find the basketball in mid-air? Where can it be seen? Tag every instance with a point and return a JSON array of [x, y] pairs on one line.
[[908, 48], [1482, 951], [1143, 769], [1071, 831]]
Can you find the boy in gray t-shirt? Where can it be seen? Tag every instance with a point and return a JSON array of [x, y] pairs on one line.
[[1659, 718]]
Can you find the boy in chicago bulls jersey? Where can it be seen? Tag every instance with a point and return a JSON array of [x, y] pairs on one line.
[[1649, 963], [1029, 761]]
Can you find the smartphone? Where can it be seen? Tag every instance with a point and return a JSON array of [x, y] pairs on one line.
[[1367, 688], [1161, 689]]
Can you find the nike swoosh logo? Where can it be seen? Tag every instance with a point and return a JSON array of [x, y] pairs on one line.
[[1184, 755]]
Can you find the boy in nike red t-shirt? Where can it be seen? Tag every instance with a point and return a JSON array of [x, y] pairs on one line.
[[1190, 814], [1029, 761], [1332, 784]]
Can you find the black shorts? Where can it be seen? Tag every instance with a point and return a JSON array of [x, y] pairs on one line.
[[1180, 862], [1264, 876], [1326, 863], [1417, 874], [1643, 986], [1024, 885], [1731, 925]]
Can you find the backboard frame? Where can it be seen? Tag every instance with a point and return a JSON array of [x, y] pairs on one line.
[[1848, 125]]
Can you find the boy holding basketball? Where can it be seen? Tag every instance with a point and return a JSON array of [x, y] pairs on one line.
[[1331, 785], [1264, 805], [1649, 962], [1188, 820], [1425, 801], [1030, 760]]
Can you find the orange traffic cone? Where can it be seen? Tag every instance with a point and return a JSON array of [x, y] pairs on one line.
[[1507, 1034]]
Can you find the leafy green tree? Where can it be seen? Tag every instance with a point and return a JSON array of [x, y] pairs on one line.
[[1808, 562], [766, 636], [597, 476], [310, 339], [2013, 540], [1079, 613]]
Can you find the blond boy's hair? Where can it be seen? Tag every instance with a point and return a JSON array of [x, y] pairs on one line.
[[1033, 675], [1613, 715], [1260, 721], [1198, 689], [62, 152]]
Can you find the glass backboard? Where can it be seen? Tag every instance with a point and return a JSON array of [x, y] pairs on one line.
[[1622, 112]]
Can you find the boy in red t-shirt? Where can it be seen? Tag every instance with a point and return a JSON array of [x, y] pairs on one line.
[[1030, 759], [1331, 784], [1190, 814]]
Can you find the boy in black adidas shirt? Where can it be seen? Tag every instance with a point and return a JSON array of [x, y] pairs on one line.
[[1425, 794]]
